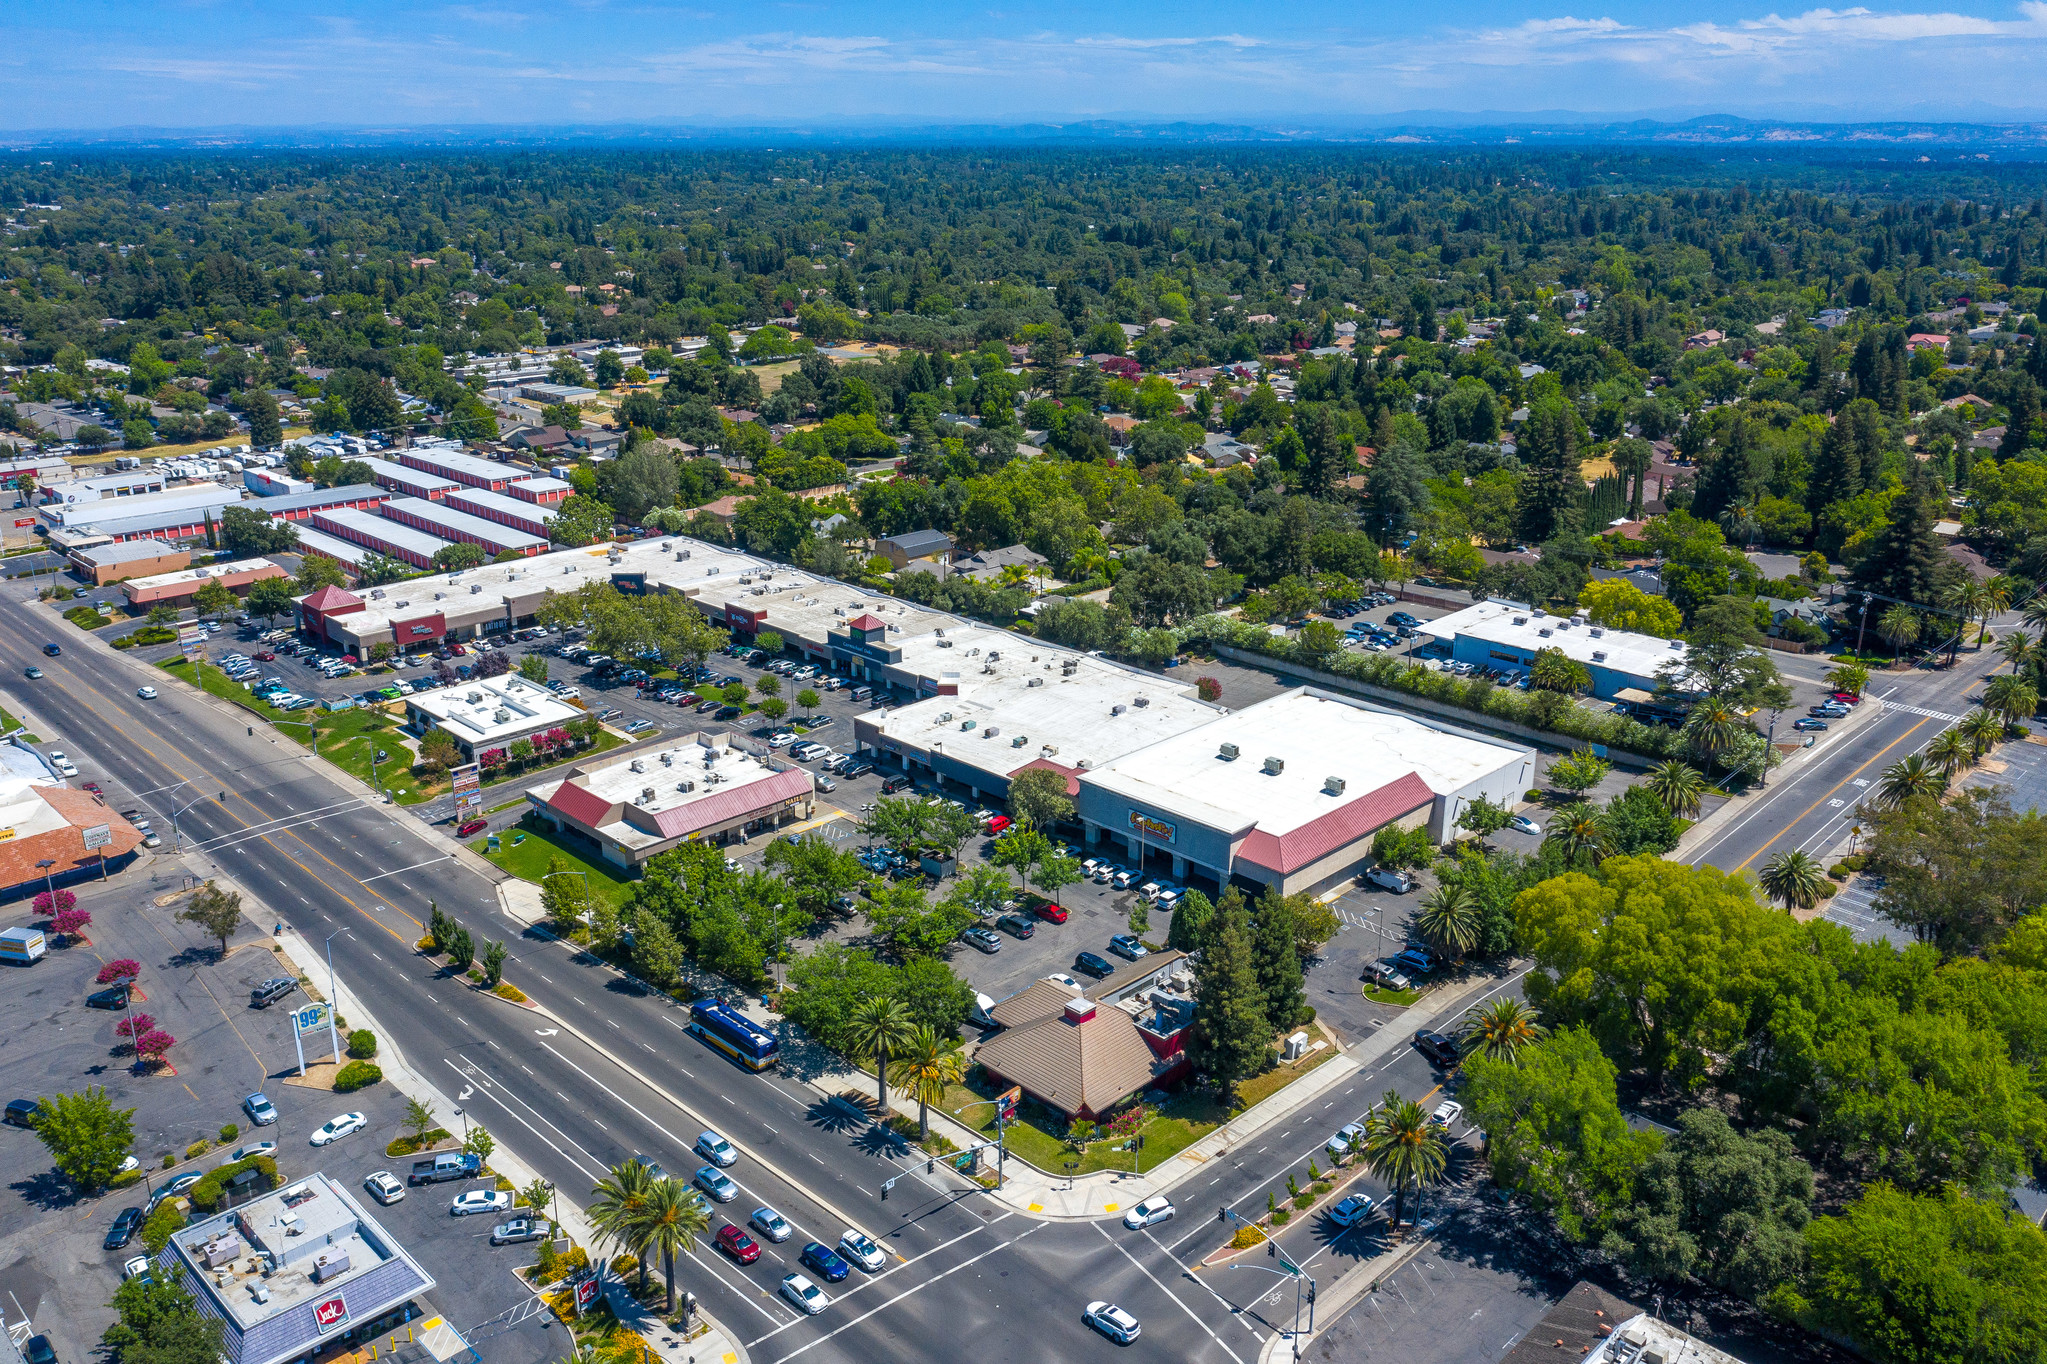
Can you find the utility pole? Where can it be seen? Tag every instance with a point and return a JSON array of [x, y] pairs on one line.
[[333, 1005]]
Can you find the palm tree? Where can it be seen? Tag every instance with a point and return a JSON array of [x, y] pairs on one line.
[[1794, 880], [2011, 698], [616, 1206], [1968, 599], [1448, 919], [929, 1064], [2036, 613], [1713, 728], [1678, 785], [1848, 677], [1403, 1147], [1950, 753], [880, 1025], [671, 1220], [1579, 832], [1501, 1029], [1904, 780], [1900, 625], [2017, 649], [1984, 730]]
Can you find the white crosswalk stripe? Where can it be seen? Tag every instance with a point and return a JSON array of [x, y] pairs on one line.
[[1929, 714]]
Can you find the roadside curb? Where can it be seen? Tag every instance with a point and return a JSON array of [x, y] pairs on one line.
[[1342, 1294], [401, 1075]]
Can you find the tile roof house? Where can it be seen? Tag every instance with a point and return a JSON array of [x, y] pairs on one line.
[[49, 822], [1085, 1054]]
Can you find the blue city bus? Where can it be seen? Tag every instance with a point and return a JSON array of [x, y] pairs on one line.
[[733, 1033]]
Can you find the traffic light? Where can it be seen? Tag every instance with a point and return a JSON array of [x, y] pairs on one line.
[[1222, 1214], [931, 1166], [884, 1189], [1311, 1293]]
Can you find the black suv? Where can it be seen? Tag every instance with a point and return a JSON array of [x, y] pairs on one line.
[[124, 1229], [1438, 1048], [899, 782], [1088, 964], [271, 990]]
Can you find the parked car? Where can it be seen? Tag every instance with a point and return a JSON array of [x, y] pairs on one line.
[[479, 1200], [384, 1187], [334, 1129], [1050, 912], [1447, 1113], [259, 1110], [470, 828], [1523, 824], [1390, 878], [1387, 974], [251, 1148], [1413, 960], [987, 940], [1806, 724], [518, 1230], [1089, 964], [126, 1223], [1016, 925], [895, 784], [115, 996], [1128, 945]]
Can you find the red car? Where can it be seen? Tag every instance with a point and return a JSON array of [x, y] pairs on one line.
[[738, 1244], [1847, 698], [688, 698], [474, 826], [999, 824], [94, 787], [1051, 913], [264, 656]]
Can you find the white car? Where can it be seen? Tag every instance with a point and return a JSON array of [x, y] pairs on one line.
[[479, 1200], [1523, 824], [1351, 1211], [138, 1265], [1091, 866], [340, 1127], [254, 1148], [385, 1187], [1346, 1138], [1447, 1113], [859, 1247], [807, 1297], [146, 693], [63, 763], [1112, 1321], [1149, 1213], [1069, 981]]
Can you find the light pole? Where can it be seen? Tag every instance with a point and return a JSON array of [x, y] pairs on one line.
[[333, 1004], [1769, 747], [178, 839], [1292, 1271], [49, 880]]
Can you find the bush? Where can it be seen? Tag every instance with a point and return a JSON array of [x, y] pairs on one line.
[[161, 1225], [362, 1044], [123, 969], [125, 1179], [1532, 793], [357, 1075], [198, 1149], [1246, 1238], [1304, 1201], [1281, 1217], [506, 990], [1847, 867], [43, 904], [207, 1194], [428, 946], [228, 1132]]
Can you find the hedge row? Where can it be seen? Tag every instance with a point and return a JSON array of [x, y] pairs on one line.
[[207, 1193]]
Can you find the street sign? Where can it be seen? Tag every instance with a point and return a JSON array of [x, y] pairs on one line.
[[97, 836], [1005, 1103], [189, 640], [586, 1292], [311, 1018], [20, 524]]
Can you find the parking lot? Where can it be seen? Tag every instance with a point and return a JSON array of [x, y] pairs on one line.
[[53, 1268]]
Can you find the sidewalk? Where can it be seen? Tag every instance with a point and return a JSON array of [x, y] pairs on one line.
[[1103, 1193], [719, 1344]]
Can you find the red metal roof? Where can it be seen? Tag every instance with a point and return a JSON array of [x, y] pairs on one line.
[[582, 805], [331, 599], [867, 622], [727, 805], [1072, 774], [1289, 852]]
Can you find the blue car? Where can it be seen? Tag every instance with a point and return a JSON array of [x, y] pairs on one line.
[[825, 1261]]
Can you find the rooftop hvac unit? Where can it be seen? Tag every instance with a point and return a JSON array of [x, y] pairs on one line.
[[1035, 682], [474, 698], [711, 572], [667, 545], [1579, 618], [1117, 710], [376, 594], [1085, 764], [1521, 620], [1599, 632], [945, 644], [968, 724], [945, 717], [1677, 644], [1275, 766], [646, 795], [1545, 632], [438, 596], [403, 602], [746, 577], [685, 786], [474, 588], [667, 759], [1229, 752], [682, 554], [1143, 700], [1333, 785], [992, 655], [1599, 655], [939, 633], [990, 732], [639, 765], [500, 715]]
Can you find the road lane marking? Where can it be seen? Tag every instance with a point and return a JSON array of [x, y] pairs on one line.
[[1191, 1314], [1828, 793]]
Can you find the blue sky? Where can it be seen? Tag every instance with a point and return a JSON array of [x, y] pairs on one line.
[[198, 63]]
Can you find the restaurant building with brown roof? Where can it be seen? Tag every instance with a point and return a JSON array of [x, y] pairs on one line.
[[1084, 1053]]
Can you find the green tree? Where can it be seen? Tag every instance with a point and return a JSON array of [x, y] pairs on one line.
[[1230, 1039], [657, 955], [270, 598], [1714, 729], [617, 1209], [580, 520], [1039, 798], [671, 1219], [453, 558], [1275, 957], [493, 964], [1722, 660], [929, 1065], [1501, 1029], [1718, 1205], [1909, 778], [1578, 772], [479, 1143], [1448, 920], [1403, 1148], [1678, 785], [1555, 1132], [1191, 918], [266, 427], [419, 1118], [816, 871], [1938, 1279], [1482, 818], [1554, 670], [87, 1136], [160, 1323], [1793, 879], [214, 598], [217, 913], [880, 1025], [533, 667], [245, 531]]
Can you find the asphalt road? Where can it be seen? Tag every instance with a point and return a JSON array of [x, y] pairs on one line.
[[325, 862]]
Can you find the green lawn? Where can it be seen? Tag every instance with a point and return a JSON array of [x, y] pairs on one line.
[[86, 618], [1184, 1120], [1397, 998], [528, 861], [9, 722]]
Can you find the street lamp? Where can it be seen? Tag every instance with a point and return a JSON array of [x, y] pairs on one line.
[[333, 1004], [178, 839], [49, 880], [1292, 1271]]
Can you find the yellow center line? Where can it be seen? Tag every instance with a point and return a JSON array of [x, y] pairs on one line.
[[1826, 794]]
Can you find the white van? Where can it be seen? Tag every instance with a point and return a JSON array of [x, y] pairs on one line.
[[1390, 878]]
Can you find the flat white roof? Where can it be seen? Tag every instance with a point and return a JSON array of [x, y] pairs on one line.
[[412, 478], [383, 528], [1529, 629], [201, 573], [175, 504], [460, 523], [493, 708], [1315, 737], [466, 496], [1084, 718], [320, 542], [664, 769]]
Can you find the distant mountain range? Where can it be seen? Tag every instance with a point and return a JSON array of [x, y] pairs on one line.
[[2017, 140]]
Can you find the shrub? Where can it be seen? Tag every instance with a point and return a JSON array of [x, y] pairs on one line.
[[357, 1075], [152, 1045], [125, 1179], [161, 1225], [506, 990], [428, 946], [622, 1266], [1304, 1201], [169, 1160], [207, 1194], [1246, 1238], [123, 969], [228, 1132], [1208, 688], [362, 1044], [1281, 1217], [1532, 793], [134, 1025], [198, 1149]]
